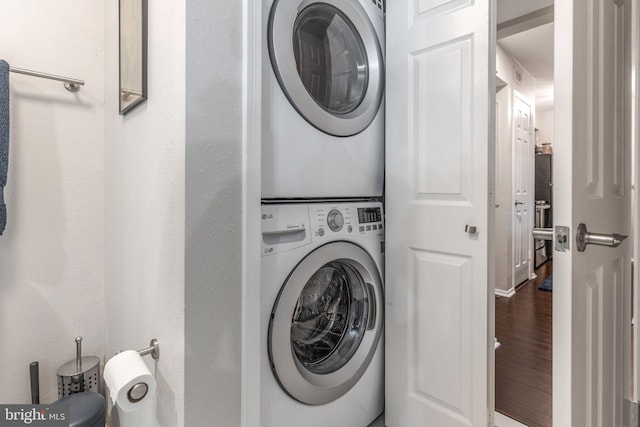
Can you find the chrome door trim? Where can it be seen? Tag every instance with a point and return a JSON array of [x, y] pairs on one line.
[[280, 32], [298, 382]]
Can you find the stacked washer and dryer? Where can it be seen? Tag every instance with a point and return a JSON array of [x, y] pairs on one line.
[[322, 294]]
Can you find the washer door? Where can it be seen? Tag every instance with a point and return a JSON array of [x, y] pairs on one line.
[[326, 323], [327, 59]]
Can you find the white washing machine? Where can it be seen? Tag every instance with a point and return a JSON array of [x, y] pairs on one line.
[[322, 314], [323, 84]]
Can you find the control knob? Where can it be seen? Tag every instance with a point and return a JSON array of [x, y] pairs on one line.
[[335, 220]]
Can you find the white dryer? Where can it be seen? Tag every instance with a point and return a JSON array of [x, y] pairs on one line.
[[322, 315], [323, 84]]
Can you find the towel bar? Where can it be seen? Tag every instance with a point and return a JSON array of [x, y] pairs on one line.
[[72, 85]]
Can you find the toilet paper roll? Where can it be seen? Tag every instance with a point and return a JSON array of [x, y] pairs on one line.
[[131, 385]]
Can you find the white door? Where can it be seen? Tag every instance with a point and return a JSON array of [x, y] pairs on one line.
[[523, 152], [440, 100], [591, 186]]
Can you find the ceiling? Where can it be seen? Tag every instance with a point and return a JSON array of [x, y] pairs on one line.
[[510, 9], [533, 48]]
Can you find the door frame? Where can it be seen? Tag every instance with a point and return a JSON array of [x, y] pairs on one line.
[[254, 33], [632, 358]]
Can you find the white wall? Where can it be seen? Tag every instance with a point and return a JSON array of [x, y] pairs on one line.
[[544, 124], [503, 207], [144, 205], [506, 67], [51, 254]]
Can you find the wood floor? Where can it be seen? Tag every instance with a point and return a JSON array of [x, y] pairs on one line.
[[523, 360]]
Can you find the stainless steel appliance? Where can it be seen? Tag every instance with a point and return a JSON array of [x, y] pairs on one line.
[[543, 249]]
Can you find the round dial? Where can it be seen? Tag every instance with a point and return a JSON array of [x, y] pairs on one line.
[[335, 220]]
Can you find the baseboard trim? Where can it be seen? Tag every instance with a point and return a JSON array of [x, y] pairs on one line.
[[505, 294]]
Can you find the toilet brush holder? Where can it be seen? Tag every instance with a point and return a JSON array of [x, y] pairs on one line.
[[79, 375]]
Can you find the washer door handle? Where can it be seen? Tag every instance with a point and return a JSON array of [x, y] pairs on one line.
[[371, 317]]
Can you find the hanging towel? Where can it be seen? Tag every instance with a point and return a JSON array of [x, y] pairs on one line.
[[4, 138]]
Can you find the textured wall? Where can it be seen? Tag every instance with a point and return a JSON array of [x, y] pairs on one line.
[[51, 255], [213, 213], [144, 205]]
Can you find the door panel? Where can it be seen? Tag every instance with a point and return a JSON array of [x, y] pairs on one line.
[[440, 77], [437, 183], [522, 180], [592, 187], [434, 306]]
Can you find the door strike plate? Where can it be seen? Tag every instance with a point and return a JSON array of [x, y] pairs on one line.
[[562, 238]]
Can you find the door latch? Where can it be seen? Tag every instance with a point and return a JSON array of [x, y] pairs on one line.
[[562, 238]]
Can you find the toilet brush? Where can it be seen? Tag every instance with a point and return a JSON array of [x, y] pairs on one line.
[[34, 376], [80, 374]]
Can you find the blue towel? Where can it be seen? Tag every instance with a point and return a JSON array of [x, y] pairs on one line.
[[547, 285], [4, 138]]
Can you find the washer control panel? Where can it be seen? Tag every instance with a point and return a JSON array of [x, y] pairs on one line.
[[290, 226], [353, 219]]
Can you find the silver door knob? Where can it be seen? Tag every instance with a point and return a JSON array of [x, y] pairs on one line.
[[584, 238], [543, 233], [471, 229], [519, 203]]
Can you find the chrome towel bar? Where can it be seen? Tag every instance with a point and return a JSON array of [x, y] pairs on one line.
[[72, 85]]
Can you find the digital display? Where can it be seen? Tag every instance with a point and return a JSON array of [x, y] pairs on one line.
[[366, 215]]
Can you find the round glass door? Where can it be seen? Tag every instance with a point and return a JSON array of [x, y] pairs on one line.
[[328, 61], [330, 318], [326, 323], [330, 58]]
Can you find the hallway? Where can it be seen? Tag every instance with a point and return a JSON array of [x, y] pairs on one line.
[[523, 360]]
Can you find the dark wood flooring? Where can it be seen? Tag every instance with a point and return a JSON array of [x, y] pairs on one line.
[[523, 360]]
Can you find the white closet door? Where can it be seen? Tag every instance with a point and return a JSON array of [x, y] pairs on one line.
[[440, 101]]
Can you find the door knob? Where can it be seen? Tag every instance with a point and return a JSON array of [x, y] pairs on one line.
[[519, 203], [471, 229], [543, 233], [584, 238]]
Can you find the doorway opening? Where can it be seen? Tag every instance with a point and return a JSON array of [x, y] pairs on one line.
[[524, 265]]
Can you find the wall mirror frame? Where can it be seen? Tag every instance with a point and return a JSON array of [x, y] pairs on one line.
[[133, 54]]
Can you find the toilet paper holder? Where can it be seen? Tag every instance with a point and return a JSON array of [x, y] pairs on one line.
[[153, 349]]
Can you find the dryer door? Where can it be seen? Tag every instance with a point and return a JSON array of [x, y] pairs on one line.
[[326, 323], [328, 61]]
